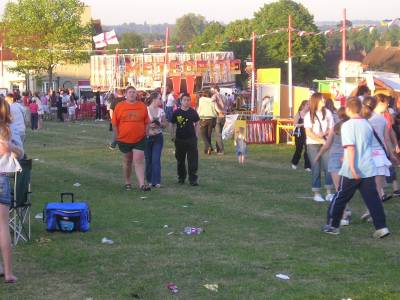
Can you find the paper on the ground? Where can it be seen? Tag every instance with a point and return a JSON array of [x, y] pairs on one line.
[[105, 240], [211, 287], [39, 216], [77, 184], [36, 159], [169, 233], [165, 226], [143, 197], [282, 276]]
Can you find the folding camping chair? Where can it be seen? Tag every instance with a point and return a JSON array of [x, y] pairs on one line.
[[20, 216]]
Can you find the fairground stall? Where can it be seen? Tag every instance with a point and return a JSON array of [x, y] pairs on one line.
[[186, 72]]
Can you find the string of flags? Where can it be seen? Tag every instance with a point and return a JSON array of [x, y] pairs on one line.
[[110, 38]]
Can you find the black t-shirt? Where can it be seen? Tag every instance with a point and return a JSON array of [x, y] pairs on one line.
[[184, 120], [115, 102]]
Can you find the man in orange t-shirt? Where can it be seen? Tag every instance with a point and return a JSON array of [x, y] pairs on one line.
[[130, 120]]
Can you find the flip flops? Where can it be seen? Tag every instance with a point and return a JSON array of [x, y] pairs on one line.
[[128, 187], [11, 281]]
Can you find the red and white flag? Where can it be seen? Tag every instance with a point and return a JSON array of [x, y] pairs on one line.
[[106, 38]]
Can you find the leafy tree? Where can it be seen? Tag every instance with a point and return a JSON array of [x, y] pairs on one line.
[[187, 27], [212, 33], [272, 51], [128, 40], [45, 33], [234, 32]]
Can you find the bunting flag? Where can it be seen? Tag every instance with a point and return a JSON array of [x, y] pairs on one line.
[[106, 38], [110, 38]]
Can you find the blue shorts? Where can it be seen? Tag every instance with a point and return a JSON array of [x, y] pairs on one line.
[[5, 192]]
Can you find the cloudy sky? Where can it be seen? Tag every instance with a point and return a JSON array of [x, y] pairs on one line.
[[166, 11]]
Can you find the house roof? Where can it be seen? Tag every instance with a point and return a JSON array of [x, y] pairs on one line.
[[383, 58]]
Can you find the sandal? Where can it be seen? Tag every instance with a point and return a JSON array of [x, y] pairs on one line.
[[145, 188], [157, 186], [128, 187]]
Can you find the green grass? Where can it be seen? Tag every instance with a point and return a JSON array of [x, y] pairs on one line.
[[256, 227]]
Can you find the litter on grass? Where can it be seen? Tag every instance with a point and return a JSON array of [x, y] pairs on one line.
[[211, 287], [193, 230], [169, 233], [165, 226], [143, 197], [105, 240], [39, 216], [185, 206], [43, 240], [77, 184], [282, 276], [173, 288], [36, 159]]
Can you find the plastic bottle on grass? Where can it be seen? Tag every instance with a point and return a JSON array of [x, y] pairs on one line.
[[193, 230]]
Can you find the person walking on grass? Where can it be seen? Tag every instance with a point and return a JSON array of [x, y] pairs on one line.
[[221, 110], [154, 140], [184, 133], [357, 173], [8, 152], [130, 120], [318, 124], [34, 108], [300, 137]]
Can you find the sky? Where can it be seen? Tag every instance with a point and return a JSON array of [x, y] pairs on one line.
[[167, 11]]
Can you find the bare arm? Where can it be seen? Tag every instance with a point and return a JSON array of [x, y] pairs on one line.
[[315, 137], [350, 150], [326, 146], [197, 129], [173, 132]]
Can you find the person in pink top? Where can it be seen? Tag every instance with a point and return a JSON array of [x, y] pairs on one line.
[[33, 107]]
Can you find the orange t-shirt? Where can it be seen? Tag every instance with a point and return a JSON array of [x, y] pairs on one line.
[[131, 120]]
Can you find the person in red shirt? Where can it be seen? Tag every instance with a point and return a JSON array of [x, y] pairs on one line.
[[130, 120], [33, 107]]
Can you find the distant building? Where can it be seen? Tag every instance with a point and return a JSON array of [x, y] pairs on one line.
[[383, 58]]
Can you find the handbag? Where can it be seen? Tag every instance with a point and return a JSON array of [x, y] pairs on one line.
[[380, 143]]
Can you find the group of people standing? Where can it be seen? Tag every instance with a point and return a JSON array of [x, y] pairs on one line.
[[138, 132], [355, 147]]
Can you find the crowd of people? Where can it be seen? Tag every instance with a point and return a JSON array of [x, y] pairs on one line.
[[355, 147]]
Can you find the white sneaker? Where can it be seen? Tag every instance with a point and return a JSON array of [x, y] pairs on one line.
[[318, 198], [329, 197], [381, 233], [294, 167], [308, 170], [344, 222]]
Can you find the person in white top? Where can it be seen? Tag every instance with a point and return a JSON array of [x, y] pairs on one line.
[[318, 124], [373, 111], [154, 140], [17, 117]]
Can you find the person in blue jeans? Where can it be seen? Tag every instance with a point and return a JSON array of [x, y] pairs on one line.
[[358, 172], [318, 124], [154, 140]]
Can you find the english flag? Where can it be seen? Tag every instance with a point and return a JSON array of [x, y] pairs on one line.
[[106, 38]]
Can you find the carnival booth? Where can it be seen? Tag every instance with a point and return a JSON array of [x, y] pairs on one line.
[[187, 72], [272, 121]]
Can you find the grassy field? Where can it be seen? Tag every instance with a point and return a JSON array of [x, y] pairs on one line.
[[257, 224]]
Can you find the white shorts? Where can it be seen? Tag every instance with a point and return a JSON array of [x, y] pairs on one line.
[[382, 164]]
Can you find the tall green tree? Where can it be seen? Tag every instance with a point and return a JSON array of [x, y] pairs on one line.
[[272, 51], [128, 40], [45, 33], [187, 27], [207, 40]]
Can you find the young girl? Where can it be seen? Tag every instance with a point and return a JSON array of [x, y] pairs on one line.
[[7, 153], [241, 144], [336, 154], [318, 124], [300, 137], [71, 109], [154, 140], [34, 108]]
